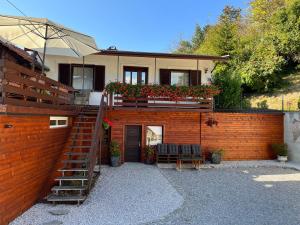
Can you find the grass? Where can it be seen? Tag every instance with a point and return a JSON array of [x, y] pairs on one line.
[[289, 92]]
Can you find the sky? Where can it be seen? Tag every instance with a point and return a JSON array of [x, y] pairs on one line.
[[134, 25]]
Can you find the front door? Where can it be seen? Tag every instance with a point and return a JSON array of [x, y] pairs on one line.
[[133, 143]]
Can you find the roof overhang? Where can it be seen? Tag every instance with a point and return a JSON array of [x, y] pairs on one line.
[[162, 55]]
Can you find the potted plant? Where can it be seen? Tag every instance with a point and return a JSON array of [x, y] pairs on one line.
[[106, 123], [216, 156], [282, 151], [114, 153], [149, 154]]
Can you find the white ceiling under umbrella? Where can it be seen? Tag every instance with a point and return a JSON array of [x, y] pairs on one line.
[[45, 36]]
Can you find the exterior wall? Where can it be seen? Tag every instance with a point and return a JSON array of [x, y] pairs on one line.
[[29, 152], [242, 136], [292, 134], [114, 67], [114, 70]]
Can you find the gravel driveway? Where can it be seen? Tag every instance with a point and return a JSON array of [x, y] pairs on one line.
[[262, 196], [139, 194]]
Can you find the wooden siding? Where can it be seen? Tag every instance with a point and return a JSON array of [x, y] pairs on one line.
[[28, 153], [242, 136]]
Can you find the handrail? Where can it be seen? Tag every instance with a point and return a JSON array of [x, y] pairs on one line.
[[24, 87], [96, 142], [162, 101]]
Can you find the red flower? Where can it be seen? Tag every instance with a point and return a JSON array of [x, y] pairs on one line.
[[106, 120]]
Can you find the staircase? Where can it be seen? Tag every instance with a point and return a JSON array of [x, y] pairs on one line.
[[84, 147]]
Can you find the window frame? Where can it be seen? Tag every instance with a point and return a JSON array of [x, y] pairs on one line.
[[155, 125], [181, 71], [56, 119], [81, 66], [139, 71]]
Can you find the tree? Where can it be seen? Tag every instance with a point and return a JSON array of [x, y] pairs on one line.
[[198, 37], [230, 85], [184, 47]]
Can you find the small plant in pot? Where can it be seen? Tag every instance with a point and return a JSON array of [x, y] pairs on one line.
[[216, 156], [149, 154], [114, 153], [282, 151]]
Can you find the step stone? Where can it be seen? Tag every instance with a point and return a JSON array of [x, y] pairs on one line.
[[69, 188], [59, 198], [72, 178]]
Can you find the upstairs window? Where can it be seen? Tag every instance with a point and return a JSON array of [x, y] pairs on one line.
[[180, 78], [135, 75]]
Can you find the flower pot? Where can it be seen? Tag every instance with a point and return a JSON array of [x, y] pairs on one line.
[[115, 161], [105, 126], [282, 158], [149, 161], [216, 158]]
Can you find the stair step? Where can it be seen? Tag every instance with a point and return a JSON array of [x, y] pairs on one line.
[[83, 127], [85, 139], [69, 188], [82, 133], [60, 198], [75, 161], [85, 122], [77, 153], [72, 178], [83, 146], [73, 170]]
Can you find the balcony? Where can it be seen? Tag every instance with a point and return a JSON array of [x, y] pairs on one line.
[[20, 86], [156, 97]]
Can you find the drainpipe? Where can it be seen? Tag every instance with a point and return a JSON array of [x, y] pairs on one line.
[[155, 70]]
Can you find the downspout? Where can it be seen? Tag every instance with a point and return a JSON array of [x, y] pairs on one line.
[[118, 64], [155, 70], [198, 72]]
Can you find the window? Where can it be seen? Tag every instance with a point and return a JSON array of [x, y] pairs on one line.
[[81, 82], [135, 75], [72, 75], [180, 78], [154, 135], [57, 121]]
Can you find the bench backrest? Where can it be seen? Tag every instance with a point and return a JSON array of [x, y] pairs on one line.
[[173, 149], [162, 149], [196, 149], [186, 149]]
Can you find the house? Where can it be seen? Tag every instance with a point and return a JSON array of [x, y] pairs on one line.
[[42, 130]]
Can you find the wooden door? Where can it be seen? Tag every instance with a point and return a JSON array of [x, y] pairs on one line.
[[133, 143]]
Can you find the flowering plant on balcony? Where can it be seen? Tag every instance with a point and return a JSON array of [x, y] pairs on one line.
[[106, 123], [174, 93]]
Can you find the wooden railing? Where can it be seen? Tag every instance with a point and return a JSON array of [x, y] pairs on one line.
[[96, 142], [24, 87], [200, 104]]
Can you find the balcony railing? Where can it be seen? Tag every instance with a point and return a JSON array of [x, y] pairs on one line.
[[24, 87], [198, 98]]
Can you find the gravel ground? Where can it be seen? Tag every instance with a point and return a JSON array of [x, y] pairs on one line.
[[237, 196], [233, 193], [130, 194]]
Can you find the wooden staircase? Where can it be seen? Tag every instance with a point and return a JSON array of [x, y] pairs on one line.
[[84, 146]]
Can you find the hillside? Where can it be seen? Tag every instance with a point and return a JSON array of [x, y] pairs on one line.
[[290, 92]]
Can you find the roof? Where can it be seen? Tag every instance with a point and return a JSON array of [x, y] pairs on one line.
[[22, 53], [161, 55]]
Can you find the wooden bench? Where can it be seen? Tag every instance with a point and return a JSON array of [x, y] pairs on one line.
[[190, 153]]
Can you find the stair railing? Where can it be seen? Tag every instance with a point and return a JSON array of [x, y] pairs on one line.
[[96, 142]]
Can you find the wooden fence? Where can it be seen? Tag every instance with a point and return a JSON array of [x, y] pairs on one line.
[[24, 87]]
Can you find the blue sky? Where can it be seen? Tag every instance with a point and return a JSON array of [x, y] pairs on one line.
[[138, 25]]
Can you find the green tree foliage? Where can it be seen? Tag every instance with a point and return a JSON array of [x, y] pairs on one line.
[[230, 84], [262, 44]]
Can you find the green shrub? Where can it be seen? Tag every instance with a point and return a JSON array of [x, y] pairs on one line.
[[114, 149], [280, 149], [263, 104]]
